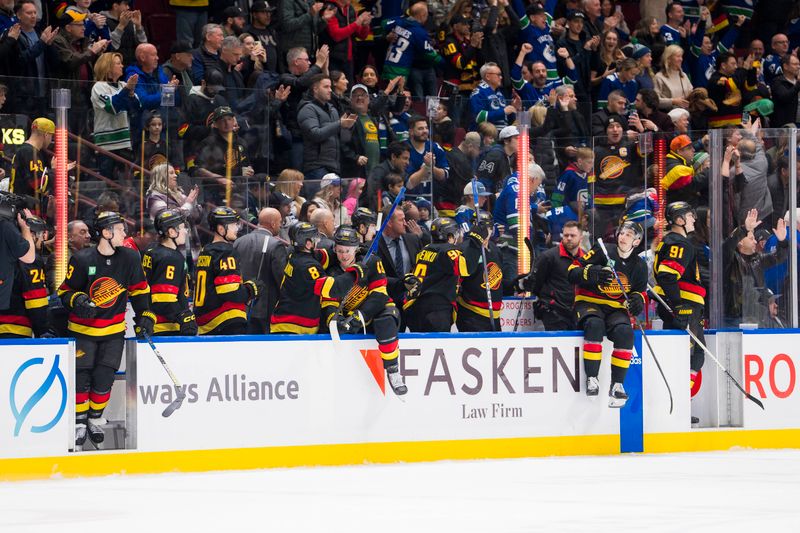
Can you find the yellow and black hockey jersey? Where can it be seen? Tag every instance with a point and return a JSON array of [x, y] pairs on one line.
[[472, 295], [28, 311], [166, 274], [220, 298], [369, 296], [109, 281], [298, 307], [677, 272], [632, 273], [618, 173], [439, 268]]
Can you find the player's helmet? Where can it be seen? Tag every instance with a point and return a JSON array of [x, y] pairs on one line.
[[106, 219], [483, 219], [635, 227], [36, 224], [442, 228], [346, 236], [365, 216], [221, 216], [676, 210], [302, 232], [171, 218]]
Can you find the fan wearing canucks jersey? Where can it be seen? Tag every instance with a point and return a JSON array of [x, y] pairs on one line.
[[536, 87], [412, 46], [703, 58], [534, 24]]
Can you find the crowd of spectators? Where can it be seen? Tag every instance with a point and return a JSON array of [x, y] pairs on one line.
[[316, 108]]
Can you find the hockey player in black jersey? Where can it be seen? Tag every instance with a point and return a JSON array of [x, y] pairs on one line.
[[27, 314], [166, 271], [472, 302], [364, 221], [220, 295], [677, 276], [601, 310], [429, 307], [298, 307], [366, 305], [96, 290]]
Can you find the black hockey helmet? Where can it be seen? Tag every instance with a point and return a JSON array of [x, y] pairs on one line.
[[676, 210], [171, 218], [483, 219], [635, 227], [302, 232], [36, 224], [106, 219], [221, 216], [442, 228], [346, 236], [363, 215]]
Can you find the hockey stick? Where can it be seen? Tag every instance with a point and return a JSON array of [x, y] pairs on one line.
[[179, 392], [483, 255], [333, 326], [258, 275], [705, 349], [638, 324]]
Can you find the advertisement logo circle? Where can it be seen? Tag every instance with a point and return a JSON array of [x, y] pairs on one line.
[[21, 414]]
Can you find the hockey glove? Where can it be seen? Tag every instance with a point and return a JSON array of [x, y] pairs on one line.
[[254, 288], [410, 281], [597, 274], [523, 283], [683, 315], [188, 324], [478, 234], [83, 306], [636, 304], [350, 324], [145, 323]]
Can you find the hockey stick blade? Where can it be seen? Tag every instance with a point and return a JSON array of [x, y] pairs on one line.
[[649, 347], [176, 404]]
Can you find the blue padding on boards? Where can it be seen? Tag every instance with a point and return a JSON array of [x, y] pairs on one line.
[[631, 417]]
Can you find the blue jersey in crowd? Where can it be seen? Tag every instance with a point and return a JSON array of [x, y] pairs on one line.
[[488, 105], [411, 48], [506, 210], [416, 161], [613, 83], [544, 49], [532, 95], [572, 186], [702, 66]]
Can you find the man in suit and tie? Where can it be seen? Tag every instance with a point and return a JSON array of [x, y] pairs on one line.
[[398, 251], [249, 249]]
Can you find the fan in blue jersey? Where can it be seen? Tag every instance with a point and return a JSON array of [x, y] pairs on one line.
[[487, 102], [533, 87], [412, 46], [793, 31], [573, 184], [703, 58], [427, 159], [772, 63], [466, 212], [506, 214], [623, 80], [674, 31], [534, 24]]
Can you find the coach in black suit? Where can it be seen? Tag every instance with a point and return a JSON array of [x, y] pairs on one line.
[[398, 251]]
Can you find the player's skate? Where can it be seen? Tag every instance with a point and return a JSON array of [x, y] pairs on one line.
[[80, 434], [95, 430], [617, 396], [396, 380], [592, 386]]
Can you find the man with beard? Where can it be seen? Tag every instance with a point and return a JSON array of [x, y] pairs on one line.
[[549, 281], [531, 82], [427, 159]]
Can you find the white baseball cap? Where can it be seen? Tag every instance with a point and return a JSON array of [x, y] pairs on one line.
[[508, 131]]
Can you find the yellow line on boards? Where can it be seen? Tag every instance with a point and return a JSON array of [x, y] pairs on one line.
[[132, 462], [721, 439]]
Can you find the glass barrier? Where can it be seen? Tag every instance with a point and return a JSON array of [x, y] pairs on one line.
[[757, 195], [245, 148]]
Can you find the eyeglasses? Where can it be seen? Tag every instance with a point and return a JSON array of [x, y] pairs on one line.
[[304, 59], [494, 73]]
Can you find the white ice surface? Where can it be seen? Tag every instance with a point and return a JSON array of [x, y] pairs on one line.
[[754, 491]]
